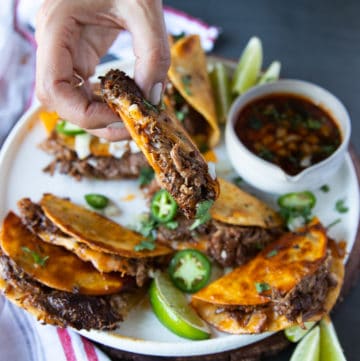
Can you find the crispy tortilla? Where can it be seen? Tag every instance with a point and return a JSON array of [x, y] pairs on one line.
[[235, 206], [281, 265], [188, 60], [45, 262], [97, 232]]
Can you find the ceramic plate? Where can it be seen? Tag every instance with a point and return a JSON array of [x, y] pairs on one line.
[[21, 164]]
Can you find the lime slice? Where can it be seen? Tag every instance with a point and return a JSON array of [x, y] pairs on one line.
[[308, 349], [296, 333], [220, 83], [330, 349], [171, 308], [248, 68], [271, 74]]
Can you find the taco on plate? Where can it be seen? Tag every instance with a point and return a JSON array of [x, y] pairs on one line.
[[80, 154], [109, 246], [240, 226], [56, 286], [189, 93], [294, 279]]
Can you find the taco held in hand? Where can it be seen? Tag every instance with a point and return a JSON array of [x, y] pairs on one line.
[[178, 164]]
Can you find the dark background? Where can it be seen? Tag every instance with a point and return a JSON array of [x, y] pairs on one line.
[[316, 40]]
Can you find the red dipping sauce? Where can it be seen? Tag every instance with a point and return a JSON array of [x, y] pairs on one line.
[[288, 130]]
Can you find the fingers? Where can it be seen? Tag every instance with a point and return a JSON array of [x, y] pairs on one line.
[[151, 48], [58, 35], [111, 133]]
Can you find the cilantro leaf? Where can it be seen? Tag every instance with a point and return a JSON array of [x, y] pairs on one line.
[[146, 176], [37, 258], [262, 287], [340, 206], [272, 253], [186, 80], [325, 188], [145, 245], [202, 214]]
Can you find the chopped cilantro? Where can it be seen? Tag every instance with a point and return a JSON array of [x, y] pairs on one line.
[[255, 123], [41, 261], [186, 80], [145, 245], [202, 214], [333, 223], [262, 287], [179, 36], [146, 176], [272, 253], [266, 154], [171, 225], [150, 106], [340, 206], [325, 188], [313, 123], [238, 181], [180, 115], [328, 149]]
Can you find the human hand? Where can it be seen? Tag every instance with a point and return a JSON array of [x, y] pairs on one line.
[[72, 36]]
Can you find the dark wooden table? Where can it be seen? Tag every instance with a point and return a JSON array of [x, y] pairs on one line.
[[317, 41]]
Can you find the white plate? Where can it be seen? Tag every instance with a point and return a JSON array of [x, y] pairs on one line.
[[21, 164]]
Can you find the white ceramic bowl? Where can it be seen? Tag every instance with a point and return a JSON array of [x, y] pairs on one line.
[[269, 177]]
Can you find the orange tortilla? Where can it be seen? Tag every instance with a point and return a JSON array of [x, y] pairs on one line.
[[26, 249], [97, 232], [188, 59], [237, 207], [281, 265]]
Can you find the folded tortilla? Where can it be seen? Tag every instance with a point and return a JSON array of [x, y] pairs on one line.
[[294, 279], [188, 73]]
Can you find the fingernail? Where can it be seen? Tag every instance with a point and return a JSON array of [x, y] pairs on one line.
[[116, 125], [155, 94]]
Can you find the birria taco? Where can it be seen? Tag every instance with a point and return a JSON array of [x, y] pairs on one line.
[[189, 92], [178, 164], [294, 279], [56, 286], [240, 226], [80, 154]]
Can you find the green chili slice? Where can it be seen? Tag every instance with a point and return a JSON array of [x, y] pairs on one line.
[[163, 206], [67, 128], [97, 201], [190, 270]]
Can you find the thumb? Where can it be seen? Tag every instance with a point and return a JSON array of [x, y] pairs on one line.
[[151, 49]]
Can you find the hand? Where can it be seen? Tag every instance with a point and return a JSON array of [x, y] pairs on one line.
[[72, 36]]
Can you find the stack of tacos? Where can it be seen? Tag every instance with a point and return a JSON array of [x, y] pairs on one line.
[[70, 266], [294, 279]]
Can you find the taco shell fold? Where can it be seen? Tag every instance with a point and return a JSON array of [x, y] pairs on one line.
[[188, 73]]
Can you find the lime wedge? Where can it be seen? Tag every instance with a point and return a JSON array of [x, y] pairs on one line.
[[271, 74], [330, 349], [308, 349], [296, 333], [220, 83], [248, 67], [171, 308]]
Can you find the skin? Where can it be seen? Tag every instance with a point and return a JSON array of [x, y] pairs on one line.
[[72, 36]]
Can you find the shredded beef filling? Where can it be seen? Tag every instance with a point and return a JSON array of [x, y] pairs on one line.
[[65, 308], [34, 218], [229, 245], [66, 161]]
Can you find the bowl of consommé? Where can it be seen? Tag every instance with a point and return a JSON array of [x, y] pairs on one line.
[[287, 136]]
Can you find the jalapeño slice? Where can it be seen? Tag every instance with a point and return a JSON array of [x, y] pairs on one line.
[[163, 206], [297, 200], [97, 201], [67, 128], [190, 270]]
